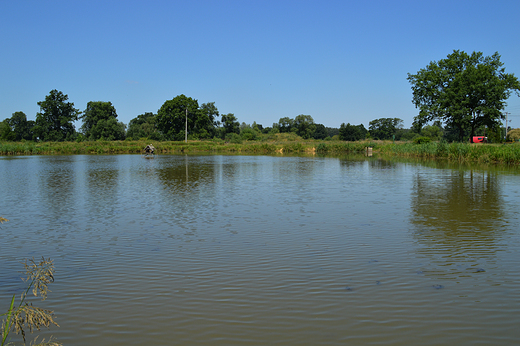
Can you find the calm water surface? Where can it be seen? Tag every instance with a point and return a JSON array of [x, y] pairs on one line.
[[258, 250]]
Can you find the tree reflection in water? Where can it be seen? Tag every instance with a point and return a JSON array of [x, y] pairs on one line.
[[458, 219]]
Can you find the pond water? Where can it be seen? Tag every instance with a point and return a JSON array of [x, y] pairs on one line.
[[257, 250]]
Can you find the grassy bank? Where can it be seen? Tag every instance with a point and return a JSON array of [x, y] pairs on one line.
[[168, 147], [460, 152]]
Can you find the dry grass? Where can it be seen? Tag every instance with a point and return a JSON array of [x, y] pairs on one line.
[[26, 316]]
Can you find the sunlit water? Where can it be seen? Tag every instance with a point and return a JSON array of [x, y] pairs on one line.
[[260, 250]]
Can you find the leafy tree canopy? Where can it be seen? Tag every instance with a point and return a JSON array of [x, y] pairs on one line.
[[464, 91], [432, 131], [384, 128], [54, 122], [352, 132], [143, 126], [6, 133], [171, 118], [305, 126], [285, 124], [19, 128], [99, 122], [332, 131], [211, 114], [230, 124], [320, 132], [513, 135]]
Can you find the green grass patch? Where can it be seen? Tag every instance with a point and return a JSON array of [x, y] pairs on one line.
[[285, 143]]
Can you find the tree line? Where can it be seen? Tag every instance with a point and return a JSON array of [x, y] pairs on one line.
[[55, 122], [457, 97]]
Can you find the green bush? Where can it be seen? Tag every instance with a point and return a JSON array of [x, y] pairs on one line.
[[513, 135], [422, 140], [233, 138], [249, 134]]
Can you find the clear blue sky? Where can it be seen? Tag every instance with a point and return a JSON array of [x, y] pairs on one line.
[[338, 61]]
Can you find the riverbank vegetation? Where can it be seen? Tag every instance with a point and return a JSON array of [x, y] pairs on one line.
[[280, 144]]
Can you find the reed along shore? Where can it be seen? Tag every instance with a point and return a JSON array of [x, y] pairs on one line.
[[461, 152]]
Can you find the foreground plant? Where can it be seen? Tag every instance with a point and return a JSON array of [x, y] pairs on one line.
[[26, 316]]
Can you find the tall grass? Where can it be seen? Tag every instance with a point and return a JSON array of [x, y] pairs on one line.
[[459, 152], [279, 143]]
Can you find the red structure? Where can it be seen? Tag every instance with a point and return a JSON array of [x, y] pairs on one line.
[[479, 139]]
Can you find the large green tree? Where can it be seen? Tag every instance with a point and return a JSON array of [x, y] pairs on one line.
[[143, 126], [349, 132], [171, 118], [332, 131], [21, 128], [230, 124], [100, 122], [464, 91], [6, 133], [320, 132], [384, 128], [432, 131], [285, 124], [305, 126], [55, 120], [208, 119]]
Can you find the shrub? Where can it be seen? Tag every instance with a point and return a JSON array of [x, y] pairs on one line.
[[513, 135], [422, 140], [248, 134], [322, 147], [233, 138]]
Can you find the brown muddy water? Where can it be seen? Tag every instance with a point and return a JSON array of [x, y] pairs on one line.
[[264, 250]]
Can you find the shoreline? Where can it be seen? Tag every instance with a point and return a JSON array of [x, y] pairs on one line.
[[460, 152]]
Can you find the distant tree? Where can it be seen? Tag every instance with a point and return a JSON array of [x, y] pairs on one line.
[[464, 91], [305, 126], [418, 122], [257, 127], [143, 126], [100, 122], [267, 129], [211, 111], [285, 124], [244, 126], [406, 134], [55, 120], [230, 124], [6, 133], [513, 135], [21, 128], [208, 120], [171, 117], [352, 132], [432, 131], [320, 132], [384, 128], [332, 131]]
